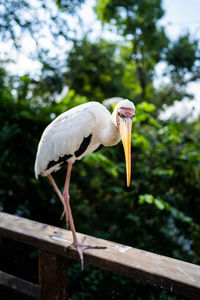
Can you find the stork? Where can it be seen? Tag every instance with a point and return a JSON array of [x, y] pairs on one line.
[[77, 133]]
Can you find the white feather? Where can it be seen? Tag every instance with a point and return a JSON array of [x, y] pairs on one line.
[[65, 134]]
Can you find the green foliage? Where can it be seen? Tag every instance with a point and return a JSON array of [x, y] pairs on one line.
[[182, 57], [100, 160], [136, 21], [131, 17], [167, 94], [95, 70], [160, 210], [19, 18], [182, 54], [94, 283], [69, 5]]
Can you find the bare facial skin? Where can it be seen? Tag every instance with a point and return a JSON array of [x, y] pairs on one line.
[[126, 113]]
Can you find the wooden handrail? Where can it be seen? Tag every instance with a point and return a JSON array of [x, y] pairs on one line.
[[19, 285], [167, 273]]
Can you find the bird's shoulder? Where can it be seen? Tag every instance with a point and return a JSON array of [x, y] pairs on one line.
[[90, 108], [80, 120], [70, 131], [86, 113]]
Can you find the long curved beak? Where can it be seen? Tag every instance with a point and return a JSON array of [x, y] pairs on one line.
[[125, 126]]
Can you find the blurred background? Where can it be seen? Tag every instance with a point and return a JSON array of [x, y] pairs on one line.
[[57, 54]]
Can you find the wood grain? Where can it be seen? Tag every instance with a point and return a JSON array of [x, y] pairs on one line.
[[19, 285], [167, 273], [52, 276]]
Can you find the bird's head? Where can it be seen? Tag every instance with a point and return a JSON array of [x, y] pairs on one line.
[[122, 117]]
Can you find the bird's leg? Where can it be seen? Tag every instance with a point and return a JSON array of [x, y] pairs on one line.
[[80, 247], [60, 196], [67, 205], [66, 192], [65, 202], [64, 213]]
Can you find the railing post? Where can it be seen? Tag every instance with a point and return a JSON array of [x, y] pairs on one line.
[[52, 276]]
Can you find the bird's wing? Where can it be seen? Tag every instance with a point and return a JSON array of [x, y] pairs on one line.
[[65, 134], [110, 101]]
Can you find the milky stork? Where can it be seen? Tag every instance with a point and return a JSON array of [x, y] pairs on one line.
[[77, 133]]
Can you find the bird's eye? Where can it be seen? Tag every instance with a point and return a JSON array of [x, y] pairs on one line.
[[126, 113]]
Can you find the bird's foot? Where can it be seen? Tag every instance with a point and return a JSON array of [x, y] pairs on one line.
[[80, 247]]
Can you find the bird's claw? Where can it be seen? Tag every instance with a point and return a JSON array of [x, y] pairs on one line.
[[80, 247]]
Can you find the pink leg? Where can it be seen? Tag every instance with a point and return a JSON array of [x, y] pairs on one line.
[[58, 193], [66, 192], [67, 211], [67, 205]]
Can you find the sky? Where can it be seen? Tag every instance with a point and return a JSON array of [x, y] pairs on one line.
[[181, 16]]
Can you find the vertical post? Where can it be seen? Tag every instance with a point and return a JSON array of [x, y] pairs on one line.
[[52, 276]]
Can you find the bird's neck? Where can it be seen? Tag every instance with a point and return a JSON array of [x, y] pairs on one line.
[[110, 135]]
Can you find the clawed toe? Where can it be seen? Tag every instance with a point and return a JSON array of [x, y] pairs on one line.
[[80, 247]]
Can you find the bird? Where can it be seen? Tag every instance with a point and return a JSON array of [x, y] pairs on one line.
[[76, 133]]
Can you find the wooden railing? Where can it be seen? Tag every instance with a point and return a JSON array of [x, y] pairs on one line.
[[166, 273]]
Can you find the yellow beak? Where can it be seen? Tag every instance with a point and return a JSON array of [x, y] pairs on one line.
[[125, 127]]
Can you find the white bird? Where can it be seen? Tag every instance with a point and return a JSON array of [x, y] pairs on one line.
[[77, 133]]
